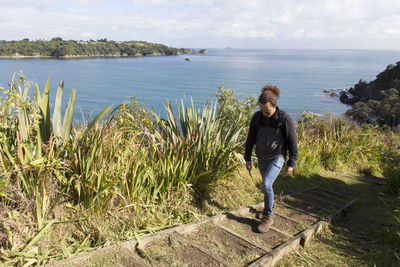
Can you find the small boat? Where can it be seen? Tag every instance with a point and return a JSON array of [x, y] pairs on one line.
[[187, 59]]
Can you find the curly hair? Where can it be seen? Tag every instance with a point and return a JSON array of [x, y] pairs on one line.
[[269, 93]]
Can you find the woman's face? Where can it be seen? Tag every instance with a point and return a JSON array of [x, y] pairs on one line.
[[267, 109]]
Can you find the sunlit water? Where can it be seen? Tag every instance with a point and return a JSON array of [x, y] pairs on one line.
[[301, 74]]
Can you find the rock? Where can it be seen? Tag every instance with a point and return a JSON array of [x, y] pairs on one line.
[[330, 91], [347, 98]]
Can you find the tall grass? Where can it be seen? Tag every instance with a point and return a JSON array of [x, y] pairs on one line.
[[333, 143], [110, 164]]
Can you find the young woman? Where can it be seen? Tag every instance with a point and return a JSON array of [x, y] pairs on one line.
[[273, 133]]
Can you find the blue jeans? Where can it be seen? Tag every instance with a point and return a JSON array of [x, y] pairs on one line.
[[269, 171]]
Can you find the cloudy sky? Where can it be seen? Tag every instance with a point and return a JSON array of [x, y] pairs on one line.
[[364, 24]]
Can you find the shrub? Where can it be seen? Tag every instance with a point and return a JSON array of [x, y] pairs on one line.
[[231, 109]]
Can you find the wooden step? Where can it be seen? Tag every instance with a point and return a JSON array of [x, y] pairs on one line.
[[231, 239]]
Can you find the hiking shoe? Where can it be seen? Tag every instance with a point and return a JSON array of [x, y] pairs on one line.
[[265, 224]]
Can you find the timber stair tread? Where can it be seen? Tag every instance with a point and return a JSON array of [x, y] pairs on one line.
[[231, 239]]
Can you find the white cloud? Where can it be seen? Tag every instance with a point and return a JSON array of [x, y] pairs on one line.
[[392, 32], [190, 23]]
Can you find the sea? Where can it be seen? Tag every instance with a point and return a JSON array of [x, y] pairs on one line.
[[302, 75]]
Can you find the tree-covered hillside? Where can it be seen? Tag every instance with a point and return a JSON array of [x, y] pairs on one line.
[[57, 47], [377, 101]]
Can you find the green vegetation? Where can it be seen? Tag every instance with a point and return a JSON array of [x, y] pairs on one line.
[[66, 188], [366, 235], [231, 109], [57, 47], [377, 102], [76, 174]]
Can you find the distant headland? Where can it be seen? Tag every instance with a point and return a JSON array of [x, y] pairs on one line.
[[59, 48]]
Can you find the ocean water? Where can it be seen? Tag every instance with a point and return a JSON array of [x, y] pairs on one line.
[[302, 75]]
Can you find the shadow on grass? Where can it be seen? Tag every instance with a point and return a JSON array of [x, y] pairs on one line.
[[243, 220], [361, 234], [201, 201]]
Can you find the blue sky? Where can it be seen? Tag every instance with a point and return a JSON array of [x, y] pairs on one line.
[[260, 24]]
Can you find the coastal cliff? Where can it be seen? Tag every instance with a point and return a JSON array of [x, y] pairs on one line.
[[378, 101]]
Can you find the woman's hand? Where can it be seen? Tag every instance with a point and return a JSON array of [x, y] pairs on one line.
[[289, 170], [248, 165]]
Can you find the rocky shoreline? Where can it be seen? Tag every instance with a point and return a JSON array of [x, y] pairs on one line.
[[376, 102], [331, 92], [345, 96]]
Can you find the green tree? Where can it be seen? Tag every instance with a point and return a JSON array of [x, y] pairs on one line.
[[360, 112]]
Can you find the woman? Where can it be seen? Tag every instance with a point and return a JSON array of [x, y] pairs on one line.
[[273, 133]]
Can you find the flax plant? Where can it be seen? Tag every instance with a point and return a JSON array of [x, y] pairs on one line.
[[92, 153], [26, 126], [195, 143], [21, 146], [32, 150], [111, 171], [137, 177]]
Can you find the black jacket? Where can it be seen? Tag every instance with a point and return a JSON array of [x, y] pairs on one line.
[[272, 136]]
